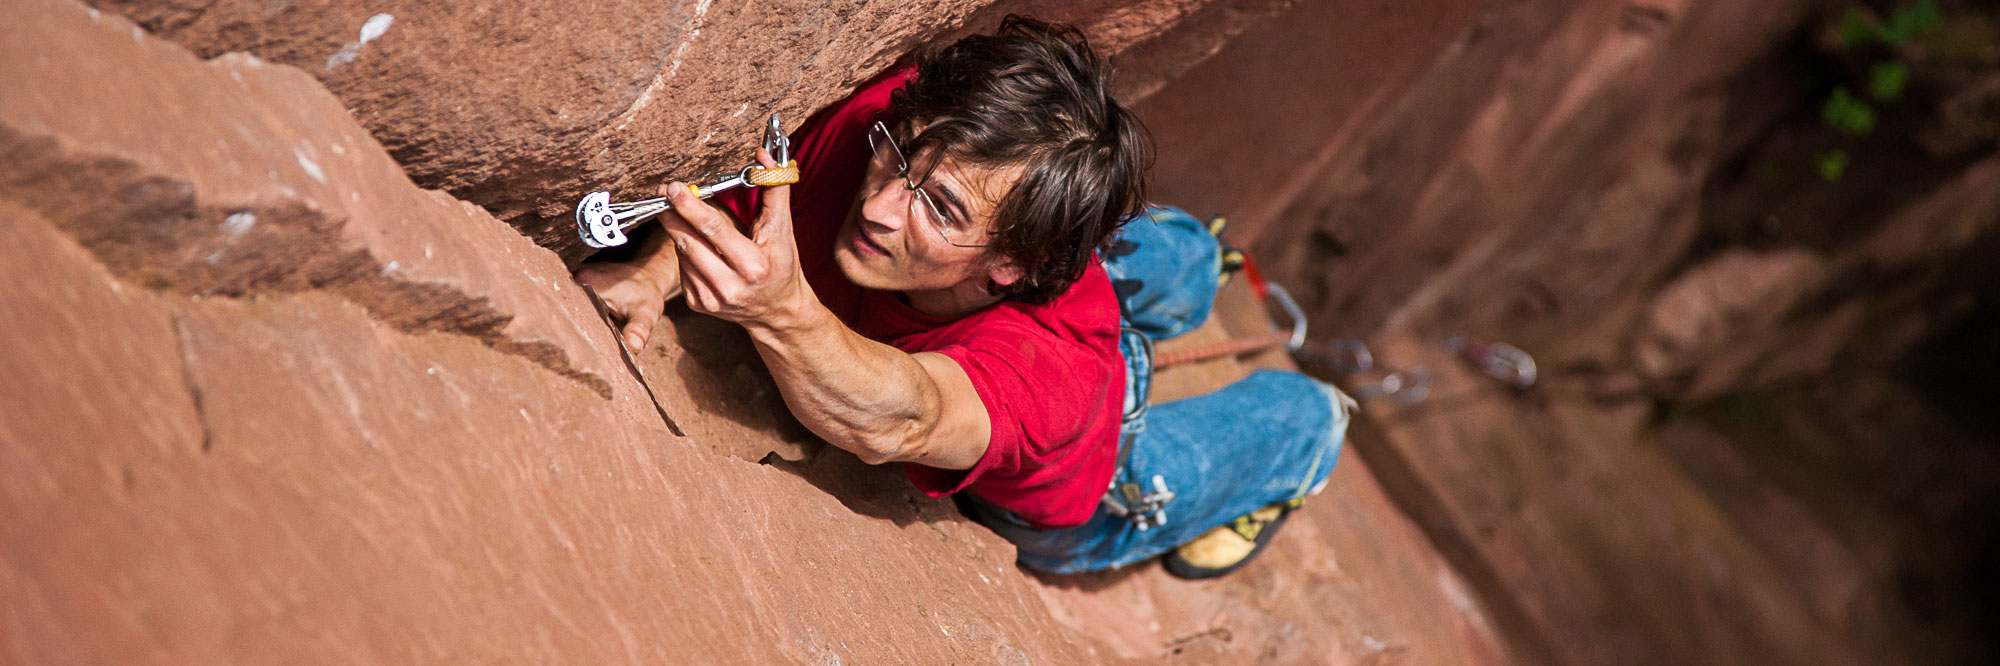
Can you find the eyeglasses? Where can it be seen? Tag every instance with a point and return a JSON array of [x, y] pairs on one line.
[[924, 206]]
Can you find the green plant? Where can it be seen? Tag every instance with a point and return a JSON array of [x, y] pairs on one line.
[[1858, 28], [1887, 79], [1850, 114], [1831, 165], [1910, 20], [1847, 113]]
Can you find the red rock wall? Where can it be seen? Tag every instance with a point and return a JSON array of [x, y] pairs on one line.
[[1593, 181], [269, 401], [523, 107]]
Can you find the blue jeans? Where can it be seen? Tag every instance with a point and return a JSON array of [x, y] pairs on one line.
[[1270, 437]]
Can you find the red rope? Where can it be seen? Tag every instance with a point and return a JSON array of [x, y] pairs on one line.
[[1219, 349]]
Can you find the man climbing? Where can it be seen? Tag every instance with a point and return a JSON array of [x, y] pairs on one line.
[[930, 293]]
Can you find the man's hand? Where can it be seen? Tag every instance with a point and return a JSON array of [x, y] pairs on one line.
[[635, 293], [879, 402], [754, 281]]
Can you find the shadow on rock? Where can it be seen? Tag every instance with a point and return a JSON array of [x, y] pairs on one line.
[[725, 377], [875, 491], [1089, 581]]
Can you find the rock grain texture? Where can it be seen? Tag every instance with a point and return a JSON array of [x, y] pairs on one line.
[[1626, 190], [269, 401], [522, 107]]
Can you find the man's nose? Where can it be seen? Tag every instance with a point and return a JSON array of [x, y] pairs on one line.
[[887, 206]]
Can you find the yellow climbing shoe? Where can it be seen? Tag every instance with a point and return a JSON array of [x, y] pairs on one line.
[[1223, 549]]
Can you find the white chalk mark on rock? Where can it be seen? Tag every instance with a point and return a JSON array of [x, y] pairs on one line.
[[371, 30], [237, 223], [673, 67], [311, 167]]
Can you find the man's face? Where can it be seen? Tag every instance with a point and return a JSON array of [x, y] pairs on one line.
[[892, 241]]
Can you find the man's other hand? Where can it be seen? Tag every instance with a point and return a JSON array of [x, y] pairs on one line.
[[634, 295], [751, 280]]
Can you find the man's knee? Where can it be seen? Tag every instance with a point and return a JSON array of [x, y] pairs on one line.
[[1165, 267]]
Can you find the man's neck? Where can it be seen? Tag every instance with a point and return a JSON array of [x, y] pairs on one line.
[[952, 303]]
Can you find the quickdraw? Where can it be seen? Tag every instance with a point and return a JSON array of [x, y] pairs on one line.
[[601, 223], [1498, 360], [1406, 387]]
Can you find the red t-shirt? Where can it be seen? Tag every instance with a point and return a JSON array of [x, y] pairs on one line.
[[1051, 376]]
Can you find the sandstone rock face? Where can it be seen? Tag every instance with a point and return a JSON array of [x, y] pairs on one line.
[[1624, 189], [522, 107], [268, 401], [1718, 302]]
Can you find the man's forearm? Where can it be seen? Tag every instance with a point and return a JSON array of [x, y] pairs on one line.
[[863, 396], [860, 395]]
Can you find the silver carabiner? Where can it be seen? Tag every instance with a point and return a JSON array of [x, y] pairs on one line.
[[775, 141], [1498, 360], [1406, 388], [601, 223], [1347, 356]]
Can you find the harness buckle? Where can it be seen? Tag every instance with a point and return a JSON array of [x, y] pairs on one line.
[[1145, 510]]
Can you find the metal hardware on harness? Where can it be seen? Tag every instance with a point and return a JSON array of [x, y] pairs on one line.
[[1407, 387], [1146, 510], [1293, 340], [1347, 356], [601, 223], [1498, 360], [1291, 308]]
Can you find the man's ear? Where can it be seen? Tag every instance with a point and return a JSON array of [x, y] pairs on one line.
[[1004, 271]]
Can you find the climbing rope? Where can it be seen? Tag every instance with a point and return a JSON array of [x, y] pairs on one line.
[[1348, 356], [1219, 349], [1293, 339]]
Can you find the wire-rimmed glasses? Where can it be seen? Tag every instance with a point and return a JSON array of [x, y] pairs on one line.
[[926, 206]]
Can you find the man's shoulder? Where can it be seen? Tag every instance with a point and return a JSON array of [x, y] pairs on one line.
[[1086, 313]]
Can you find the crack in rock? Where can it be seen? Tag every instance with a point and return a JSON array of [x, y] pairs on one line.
[[152, 231], [186, 347]]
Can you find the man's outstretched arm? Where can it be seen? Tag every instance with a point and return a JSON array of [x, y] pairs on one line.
[[636, 291], [880, 403]]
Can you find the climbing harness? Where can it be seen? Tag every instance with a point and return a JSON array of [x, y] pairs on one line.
[[1498, 360], [1145, 509], [1127, 499], [601, 223]]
